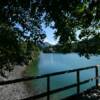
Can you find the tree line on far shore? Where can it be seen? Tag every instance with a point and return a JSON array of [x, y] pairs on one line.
[[83, 48]]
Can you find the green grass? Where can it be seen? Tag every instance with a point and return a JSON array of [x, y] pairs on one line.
[[31, 70], [32, 67]]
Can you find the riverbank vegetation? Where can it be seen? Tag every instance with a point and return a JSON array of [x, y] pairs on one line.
[[18, 35], [33, 64]]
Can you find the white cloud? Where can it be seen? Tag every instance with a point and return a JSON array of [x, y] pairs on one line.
[[53, 42]]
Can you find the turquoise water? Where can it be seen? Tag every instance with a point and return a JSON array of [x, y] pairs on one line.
[[53, 62]]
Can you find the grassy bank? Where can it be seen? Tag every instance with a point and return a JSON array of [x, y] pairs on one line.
[[31, 68]]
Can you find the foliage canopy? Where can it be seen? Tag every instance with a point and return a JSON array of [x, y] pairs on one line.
[[67, 16]]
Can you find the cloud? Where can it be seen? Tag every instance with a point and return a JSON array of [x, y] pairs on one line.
[[53, 42], [50, 36]]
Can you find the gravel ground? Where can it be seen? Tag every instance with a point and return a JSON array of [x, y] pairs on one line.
[[93, 94], [14, 91]]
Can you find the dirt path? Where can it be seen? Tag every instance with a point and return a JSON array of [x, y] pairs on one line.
[[14, 91]]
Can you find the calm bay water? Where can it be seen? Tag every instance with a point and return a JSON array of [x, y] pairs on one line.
[[53, 62]]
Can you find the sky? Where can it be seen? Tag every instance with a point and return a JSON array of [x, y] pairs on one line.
[[49, 33], [50, 36]]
